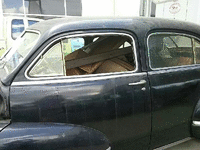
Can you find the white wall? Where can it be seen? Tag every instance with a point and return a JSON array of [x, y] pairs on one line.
[[97, 7], [1, 20], [110, 7], [193, 11], [127, 7], [189, 10]]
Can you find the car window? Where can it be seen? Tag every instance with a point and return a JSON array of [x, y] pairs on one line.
[[51, 63], [17, 27], [31, 22], [197, 51], [169, 50], [88, 55], [16, 54]]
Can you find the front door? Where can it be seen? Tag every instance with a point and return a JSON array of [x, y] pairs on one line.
[[96, 82]]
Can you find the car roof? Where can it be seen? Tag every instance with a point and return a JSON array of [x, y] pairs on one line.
[[139, 25]]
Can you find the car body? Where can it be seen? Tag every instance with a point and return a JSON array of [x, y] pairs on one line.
[[132, 83]]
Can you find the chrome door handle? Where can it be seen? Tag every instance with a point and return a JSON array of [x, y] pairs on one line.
[[138, 83]]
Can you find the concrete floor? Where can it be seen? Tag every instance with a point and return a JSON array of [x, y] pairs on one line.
[[192, 144], [185, 144]]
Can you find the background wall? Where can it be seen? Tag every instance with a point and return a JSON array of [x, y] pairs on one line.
[[187, 10], [72, 7], [111, 7]]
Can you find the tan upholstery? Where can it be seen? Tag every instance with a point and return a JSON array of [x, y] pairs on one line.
[[90, 68], [97, 58], [110, 66], [178, 61], [123, 64], [72, 56], [103, 59], [74, 71], [184, 61]]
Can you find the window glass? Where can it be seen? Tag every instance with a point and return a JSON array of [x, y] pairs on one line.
[[181, 41], [76, 43], [197, 51], [72, 44], [17, 27], [168, 42], [168, 50], [88, 55], [31, 22], [18, 53], [12, 6], [50, 64]]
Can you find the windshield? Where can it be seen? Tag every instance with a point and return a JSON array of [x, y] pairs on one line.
[[18, 52]]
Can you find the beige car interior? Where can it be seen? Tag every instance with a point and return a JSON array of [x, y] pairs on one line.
[[104, 55]]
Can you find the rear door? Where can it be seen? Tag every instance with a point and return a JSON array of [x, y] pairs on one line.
[[99, 85], [174, 81]]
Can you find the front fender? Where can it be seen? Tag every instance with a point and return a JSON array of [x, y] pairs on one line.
[[51, 136]]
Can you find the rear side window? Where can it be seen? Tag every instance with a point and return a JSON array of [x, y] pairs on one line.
[[86, 55], [169, 50]]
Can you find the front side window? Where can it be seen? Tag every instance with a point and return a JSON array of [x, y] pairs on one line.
[[86, 55], [169, 50], [50, 64]]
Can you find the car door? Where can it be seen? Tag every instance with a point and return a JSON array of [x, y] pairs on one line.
[[4, 106], [99, 85], [174, 81]]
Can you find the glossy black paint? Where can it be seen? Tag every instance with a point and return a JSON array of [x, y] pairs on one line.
[[49, 136], [130, 117]]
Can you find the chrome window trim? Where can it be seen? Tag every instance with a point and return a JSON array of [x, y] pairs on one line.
[[196, 123], [83, 76], [34, 31], [175, 33], [72, 80]]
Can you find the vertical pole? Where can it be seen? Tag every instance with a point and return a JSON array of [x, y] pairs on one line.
[[145, 8], [40, 5], [65, 5], [149, 8], [24, 7], [142, 7]]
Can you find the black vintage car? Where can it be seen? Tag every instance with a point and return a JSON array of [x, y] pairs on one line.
[[101, 84]]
